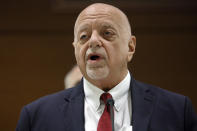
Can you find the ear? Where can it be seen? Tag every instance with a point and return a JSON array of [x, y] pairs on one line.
[[73, 44], [131, 45]]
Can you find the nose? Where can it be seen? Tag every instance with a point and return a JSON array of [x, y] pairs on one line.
[[94, 40]]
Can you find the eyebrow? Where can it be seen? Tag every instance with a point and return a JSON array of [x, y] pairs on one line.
[[82, 28], [86, 26], [108, 25]]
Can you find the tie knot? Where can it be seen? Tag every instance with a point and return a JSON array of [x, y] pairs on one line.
[[105, 96]]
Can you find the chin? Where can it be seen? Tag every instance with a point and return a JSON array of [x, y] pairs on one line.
[[97, 74]]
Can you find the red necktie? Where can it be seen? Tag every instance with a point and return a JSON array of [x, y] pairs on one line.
[[105, 123]]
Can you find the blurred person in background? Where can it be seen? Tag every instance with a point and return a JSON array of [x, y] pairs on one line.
[[73, 77]]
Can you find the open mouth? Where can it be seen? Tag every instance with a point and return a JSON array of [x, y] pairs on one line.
[[94, 57]]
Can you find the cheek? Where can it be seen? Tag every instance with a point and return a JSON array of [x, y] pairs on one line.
[[80, 52], [111, 54], [109, 48], [119, 53]]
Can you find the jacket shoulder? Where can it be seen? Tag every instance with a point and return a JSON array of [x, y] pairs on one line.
[[159, 92], [51, 99]]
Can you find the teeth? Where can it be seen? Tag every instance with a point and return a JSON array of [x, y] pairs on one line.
[[94, 57]]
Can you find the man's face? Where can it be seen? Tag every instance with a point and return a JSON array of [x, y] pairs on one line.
[[103, 46]]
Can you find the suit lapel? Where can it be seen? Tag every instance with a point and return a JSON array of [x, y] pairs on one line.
[[73, 109], [142, 105]]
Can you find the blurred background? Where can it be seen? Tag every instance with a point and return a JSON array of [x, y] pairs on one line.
[[36, 48]]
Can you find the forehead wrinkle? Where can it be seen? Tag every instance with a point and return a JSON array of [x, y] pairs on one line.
[[99, 19], [83, 27], [92, 12], [92, 17]]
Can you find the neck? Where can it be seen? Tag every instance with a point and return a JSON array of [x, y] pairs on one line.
[[109, 82]]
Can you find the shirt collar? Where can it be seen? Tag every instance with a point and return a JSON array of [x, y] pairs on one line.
[[92, 94], [119, 93]]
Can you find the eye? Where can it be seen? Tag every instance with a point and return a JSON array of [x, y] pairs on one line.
[[82, 37], [107, 33]]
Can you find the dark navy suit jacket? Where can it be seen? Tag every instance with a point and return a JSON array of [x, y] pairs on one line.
[[153, 109]]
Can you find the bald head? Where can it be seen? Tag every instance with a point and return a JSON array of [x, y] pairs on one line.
[[104, 9], [103, 44]]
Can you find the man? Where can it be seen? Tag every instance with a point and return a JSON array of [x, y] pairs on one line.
[[103, 46]]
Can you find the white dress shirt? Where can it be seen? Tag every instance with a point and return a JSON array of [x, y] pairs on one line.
[[122, 106]]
